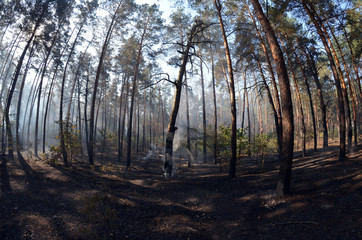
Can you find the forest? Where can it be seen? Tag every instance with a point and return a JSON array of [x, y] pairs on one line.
[[180, 119]]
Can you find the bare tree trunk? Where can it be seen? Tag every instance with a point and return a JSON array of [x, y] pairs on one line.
[[342, 124], [40, 90], [299, 103], [286, 154], [85, 110], [232, 164], [351, 88], [257, 96], [138, 123], [278, 125], [188, 141], [134, 86], [203, 112], [215, 106], [79, 117], [243, 111], [343, 85], [248, 109], [322, 105], [95, 89], [13, 85], [270, 97], [61, 123], [120, 151], [144, 122], [197, 27], [17, 124]]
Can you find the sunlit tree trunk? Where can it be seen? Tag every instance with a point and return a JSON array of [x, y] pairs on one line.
[[278, 125], [351, 87], [232, 163], [343, 85], [342, 121], [309, 97], [286, 153], [322, 105]]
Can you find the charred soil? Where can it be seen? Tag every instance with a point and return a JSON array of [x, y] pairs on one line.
[[40, 200]]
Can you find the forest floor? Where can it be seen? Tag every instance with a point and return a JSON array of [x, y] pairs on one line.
[[43, 201]]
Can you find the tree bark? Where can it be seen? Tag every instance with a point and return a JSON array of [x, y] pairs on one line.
[[286, 153], [309, 97], [232, 163], [215, 106], [188, 140], [203, 112], [13, 85], [342, 121], [17, 124], [176, 104], [134, 86], [322, 105], [351, 88], [278, 125], [95, 89]]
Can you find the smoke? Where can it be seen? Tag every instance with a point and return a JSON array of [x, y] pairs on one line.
[[179, 139]]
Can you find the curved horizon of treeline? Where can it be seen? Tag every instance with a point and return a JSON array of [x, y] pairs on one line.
[[223, 79]]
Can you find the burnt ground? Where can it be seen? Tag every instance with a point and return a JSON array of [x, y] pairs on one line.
[[43, 201]]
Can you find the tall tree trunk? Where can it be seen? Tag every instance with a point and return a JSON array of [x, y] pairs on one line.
[[215, 106], [124, 118], [176, 104], [278, 125], [17, 124], [13, 85], [266, 86], [309, 96], [203, 112], [243, 111], [119, 156], [144, 122], [85, 111], [40, 90], [342, 121], [343, 85], [248, 110], [353, 59], [188, 141], [134, 87], [286, 154], [299, 102], [351, 88], [55, 72], [258, 97], [322, 105], [138, 124], [232, 164], [95, 88], [11, 54], [79, 116], [61, 122]]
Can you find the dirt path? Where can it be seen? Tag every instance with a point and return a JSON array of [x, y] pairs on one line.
[[40, 201]]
